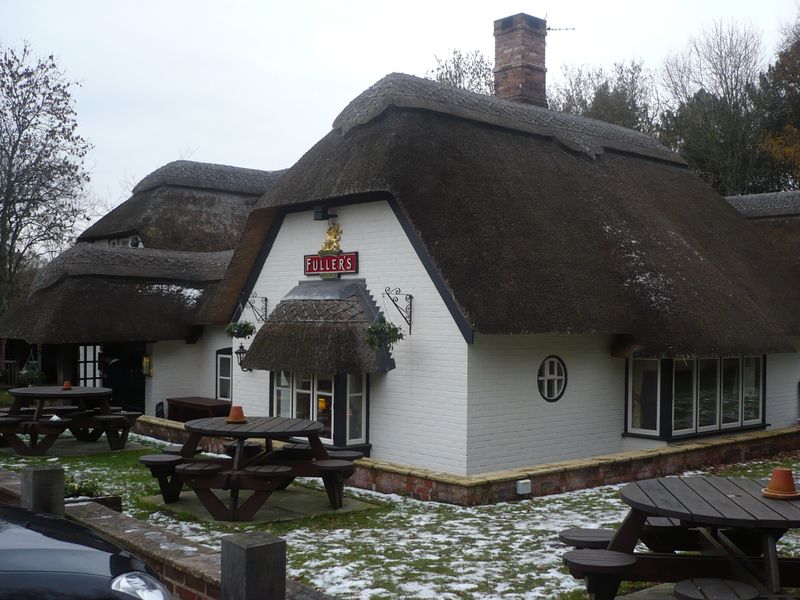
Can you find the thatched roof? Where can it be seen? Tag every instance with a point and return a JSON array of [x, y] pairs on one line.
[[95, 293], [185, 205], [773, 204], [776, 216], [536, 222], [319, 327]]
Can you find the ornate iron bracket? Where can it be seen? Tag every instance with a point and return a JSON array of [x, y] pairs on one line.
[[394, 295], [258, 304]]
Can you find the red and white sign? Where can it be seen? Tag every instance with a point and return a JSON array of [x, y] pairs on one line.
[[330, 264]]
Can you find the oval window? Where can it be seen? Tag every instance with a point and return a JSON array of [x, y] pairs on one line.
[[552, 378]]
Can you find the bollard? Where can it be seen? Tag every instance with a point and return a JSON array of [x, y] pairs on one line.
[[42, 489], [253, 567]]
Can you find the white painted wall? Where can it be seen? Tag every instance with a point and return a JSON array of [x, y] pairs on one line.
[[783, 375], [511, 425], [181, 369], [418, 411]]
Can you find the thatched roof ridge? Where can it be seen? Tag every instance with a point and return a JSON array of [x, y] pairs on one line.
[[319, 327], [577, 133], [209, 176], [186, 206], [773, 204], [148, 263], [528, 236]]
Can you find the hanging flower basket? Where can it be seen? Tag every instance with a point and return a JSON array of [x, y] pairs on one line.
[[240, 329], [382, 334]]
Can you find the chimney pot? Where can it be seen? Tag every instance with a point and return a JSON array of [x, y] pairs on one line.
[[519, 59]]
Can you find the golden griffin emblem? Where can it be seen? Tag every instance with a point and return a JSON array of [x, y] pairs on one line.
[[333, 239]]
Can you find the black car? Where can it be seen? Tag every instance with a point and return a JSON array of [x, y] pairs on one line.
[[44, 557]]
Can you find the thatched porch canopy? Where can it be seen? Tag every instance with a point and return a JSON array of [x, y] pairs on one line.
[[319, 327]]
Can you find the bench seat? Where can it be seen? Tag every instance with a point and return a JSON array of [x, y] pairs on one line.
[[714, 589]]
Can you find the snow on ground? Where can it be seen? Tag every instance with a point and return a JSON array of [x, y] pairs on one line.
[[406, 548]]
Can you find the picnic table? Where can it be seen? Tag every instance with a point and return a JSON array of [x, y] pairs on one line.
[[259, 472], [43, 413], [736, 526]]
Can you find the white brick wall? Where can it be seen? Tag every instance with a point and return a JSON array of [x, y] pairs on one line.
[[511, 425], [783, 375], [181, 369], [418, 411]]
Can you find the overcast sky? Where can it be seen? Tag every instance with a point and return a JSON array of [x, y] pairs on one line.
[[255, 84]]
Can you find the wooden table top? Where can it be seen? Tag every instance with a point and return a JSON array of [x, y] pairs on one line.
[[265, 427], [713, 501], [57, 391], [199, 401]]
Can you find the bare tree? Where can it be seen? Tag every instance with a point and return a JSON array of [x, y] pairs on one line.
[[42, 175], [625, 95], [468, 70], [711, 117]]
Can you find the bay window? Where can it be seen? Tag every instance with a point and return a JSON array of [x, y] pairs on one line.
[[684, 396], [338, 402]]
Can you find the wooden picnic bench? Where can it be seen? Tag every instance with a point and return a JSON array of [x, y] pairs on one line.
[[192, 407], [738, 529]]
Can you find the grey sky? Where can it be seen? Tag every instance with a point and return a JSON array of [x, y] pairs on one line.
[[255, 84]]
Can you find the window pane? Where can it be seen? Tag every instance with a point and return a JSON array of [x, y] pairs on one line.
[[325, 384], [355, 416], [683, 395], [752, 388], [225, 389], [354, 384], [304, 382], [707, 392], [224, 366], [644, 395], [730, 390], [303, 409], [284, 379], [325, 414], [283, 402]]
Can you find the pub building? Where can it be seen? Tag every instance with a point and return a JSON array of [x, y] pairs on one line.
[[565, 288]]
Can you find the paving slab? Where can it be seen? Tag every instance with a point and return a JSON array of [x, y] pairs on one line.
[[295, 502]]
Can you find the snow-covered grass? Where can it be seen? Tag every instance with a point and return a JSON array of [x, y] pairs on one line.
[[404, 548]]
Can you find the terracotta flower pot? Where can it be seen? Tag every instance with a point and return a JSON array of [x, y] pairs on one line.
[[236, 415], [67, 384], [781, 482]]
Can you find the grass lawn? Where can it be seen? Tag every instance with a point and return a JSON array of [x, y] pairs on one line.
[[406, 548], [5, 398]]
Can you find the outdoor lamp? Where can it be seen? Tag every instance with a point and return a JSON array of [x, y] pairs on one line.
[[147, 365], [240, 353]]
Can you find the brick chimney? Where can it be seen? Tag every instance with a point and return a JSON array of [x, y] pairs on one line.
[[519, 69]]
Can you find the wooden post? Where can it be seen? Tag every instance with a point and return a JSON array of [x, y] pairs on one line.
[[42, 489], [253, 567]]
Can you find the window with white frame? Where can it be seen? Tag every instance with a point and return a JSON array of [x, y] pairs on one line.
[[306, 396], [356, 409], [707, 394], [224, 375], [89, 373]]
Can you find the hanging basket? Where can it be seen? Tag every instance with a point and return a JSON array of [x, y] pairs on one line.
[[382, 334]]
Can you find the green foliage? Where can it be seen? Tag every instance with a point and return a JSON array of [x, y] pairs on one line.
[[471, 71], [624, 96], [240, 329], [31, 377], [382, 334], [77, 486]]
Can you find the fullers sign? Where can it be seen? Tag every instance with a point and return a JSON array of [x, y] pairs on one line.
[[331, 264]]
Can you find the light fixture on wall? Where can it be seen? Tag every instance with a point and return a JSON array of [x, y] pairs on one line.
[[147, 365], [240, 353]]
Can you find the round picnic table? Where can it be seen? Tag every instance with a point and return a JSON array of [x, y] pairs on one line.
[[245, 470], [714, 504], [40, 394]]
